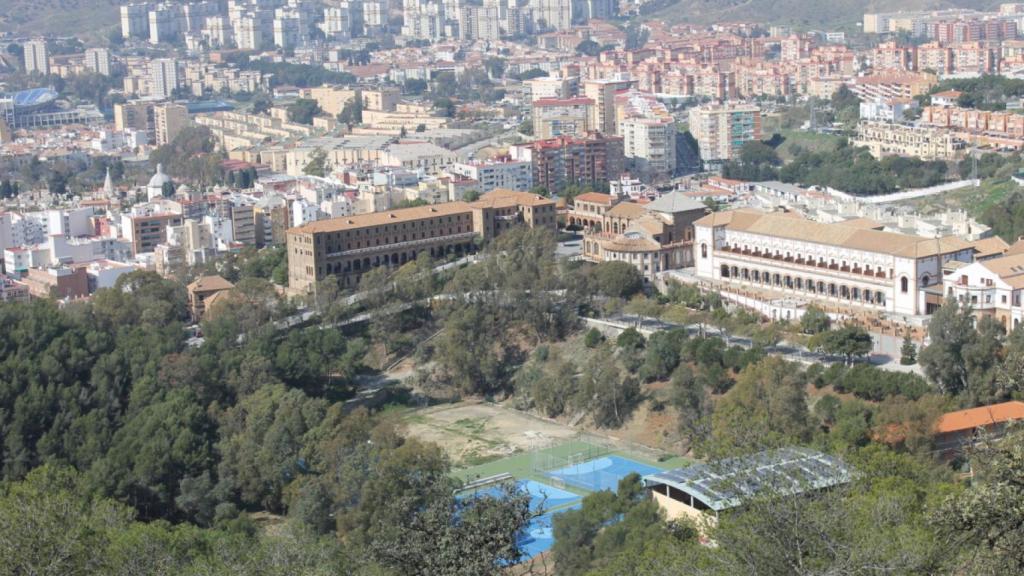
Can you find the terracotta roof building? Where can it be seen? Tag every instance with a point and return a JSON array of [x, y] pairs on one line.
[[347, 247], [202, 291], [955, 431], [850, 266]]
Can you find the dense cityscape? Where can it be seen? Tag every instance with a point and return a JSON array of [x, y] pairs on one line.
[[511, 287]]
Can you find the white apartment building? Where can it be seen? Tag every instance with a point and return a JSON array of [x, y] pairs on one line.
[[649, 144], [37, 58], [135, 20], [480, 23], [338, 24], [218, 31], [165, 23], [552, 14], [249, 33], [163, 80], [375, 15], [168, 121], [552, 87], [287, 30], [510, 175], [782, 256], [69, 222], [721, 130], [98, 60]]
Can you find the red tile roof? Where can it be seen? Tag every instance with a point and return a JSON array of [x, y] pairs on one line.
[[978, 417]]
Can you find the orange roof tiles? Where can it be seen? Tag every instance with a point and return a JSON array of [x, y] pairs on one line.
[[978, 417], [595, 197], [385, 217]]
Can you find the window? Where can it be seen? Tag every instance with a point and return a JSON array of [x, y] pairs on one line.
[[703, 250], [904, 285]]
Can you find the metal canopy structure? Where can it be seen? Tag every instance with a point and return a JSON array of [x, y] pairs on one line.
[[33, 97], [728, 483]]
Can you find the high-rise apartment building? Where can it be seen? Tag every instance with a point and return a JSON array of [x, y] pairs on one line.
[[98, 60], [648, 132], [132, 116], [168, 120], [287, 30], [602, 92], [552, 14], [480, 23], [135, 20], [650, 145], [249, 33], [559, 162], [165, 23], [37, 58], [163, 78], [721, 130], [337, 24]]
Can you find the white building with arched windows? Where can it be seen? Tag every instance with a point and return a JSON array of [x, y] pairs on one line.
[[845, 264]]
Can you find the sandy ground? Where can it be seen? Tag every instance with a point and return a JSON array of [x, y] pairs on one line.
[[470, 431]]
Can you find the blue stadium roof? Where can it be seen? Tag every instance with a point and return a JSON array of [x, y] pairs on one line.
[[34, 97]]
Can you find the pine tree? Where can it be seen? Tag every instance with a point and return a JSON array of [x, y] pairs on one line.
[[908, 353]]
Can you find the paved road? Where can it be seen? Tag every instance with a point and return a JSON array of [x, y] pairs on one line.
[[882, 357], [571, 248]]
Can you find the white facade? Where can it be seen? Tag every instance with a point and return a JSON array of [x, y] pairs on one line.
[[786, 256], [721, 130], [135, 20], [78, 250], [69, 222], [337, 24], [552, 14], [163, 78], [887, 110], [304, 212], [509, 175], [650, 145], [249, 34], [991, 287], [98, 60], [37, 59], [287, 31]]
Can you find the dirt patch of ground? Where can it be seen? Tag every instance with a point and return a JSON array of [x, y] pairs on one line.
[[473, 432], [653, 424]]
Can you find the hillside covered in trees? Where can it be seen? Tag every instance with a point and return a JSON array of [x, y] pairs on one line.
[[129, 449]]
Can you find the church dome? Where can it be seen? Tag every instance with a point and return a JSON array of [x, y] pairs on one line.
[[159, 179]]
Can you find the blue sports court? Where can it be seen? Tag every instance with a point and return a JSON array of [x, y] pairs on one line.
[[601, 473], [542, 496]]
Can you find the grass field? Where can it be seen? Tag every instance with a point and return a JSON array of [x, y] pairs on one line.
[[807, 141]]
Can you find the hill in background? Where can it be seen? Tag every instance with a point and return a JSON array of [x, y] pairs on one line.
[[59, 17], [834, 14]]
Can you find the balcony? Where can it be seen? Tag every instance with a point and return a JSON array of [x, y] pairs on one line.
[[795, 262]]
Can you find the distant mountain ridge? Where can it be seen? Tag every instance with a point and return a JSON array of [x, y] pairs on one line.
[[802, 13], [58, 17]]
